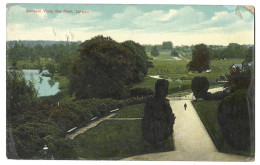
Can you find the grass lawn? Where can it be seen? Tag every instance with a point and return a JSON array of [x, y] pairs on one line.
[[168, 68], [207, 111], [133, 111], [116, 140]]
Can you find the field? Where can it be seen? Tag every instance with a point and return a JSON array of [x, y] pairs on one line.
[[178, 75]]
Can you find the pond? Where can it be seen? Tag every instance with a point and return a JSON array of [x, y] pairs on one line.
[[44, 85]]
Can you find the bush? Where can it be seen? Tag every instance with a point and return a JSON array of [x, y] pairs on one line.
[[215, 96], [233, 117], [158, 120], [140, 92], [199, 86]]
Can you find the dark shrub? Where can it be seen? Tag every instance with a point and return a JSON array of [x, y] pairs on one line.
[[158, 120], [233, 117], [140, 92], [199, 86]]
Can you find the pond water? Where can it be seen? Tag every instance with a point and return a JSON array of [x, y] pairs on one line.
[[44, 85]]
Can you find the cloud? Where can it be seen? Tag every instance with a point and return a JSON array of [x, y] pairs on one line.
[[42, 14]]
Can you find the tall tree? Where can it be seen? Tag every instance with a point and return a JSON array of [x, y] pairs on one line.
[[102, 69], [154, 51], [139, 60], [200, 59]]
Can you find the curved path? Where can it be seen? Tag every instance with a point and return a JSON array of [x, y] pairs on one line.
[[191, 139]]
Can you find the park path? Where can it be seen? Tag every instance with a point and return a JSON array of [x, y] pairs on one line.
[[192, 142], [91, 125]]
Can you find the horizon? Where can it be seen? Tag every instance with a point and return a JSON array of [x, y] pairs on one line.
[[145, 24]]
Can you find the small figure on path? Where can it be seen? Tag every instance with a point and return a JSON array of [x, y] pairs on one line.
[[185, 106]]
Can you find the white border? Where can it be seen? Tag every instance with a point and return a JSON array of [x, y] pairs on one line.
[[3, 159]]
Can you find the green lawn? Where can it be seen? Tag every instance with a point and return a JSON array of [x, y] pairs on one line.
[[133, 111], [226, 63], [116, 140], [207, 111], [167, 68]]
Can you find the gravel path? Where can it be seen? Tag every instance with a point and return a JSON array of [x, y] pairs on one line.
[[192, 142]]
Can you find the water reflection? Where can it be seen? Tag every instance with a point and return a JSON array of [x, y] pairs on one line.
[[44, 85]]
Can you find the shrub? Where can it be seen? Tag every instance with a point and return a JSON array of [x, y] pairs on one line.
[[140, 92], [199, 86], [233, 117], [158, 118], [215, 96]]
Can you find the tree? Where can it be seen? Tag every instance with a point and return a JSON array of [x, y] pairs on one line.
[[20, 94], [158, 118], [174, 53], [139, 60], [103, 69], [167, 45], [50, 68], [200, 59], [154, 51], [199, 86]]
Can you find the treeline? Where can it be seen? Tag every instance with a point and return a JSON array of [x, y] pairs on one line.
[[233, 50], [59, 55], [43, 43]]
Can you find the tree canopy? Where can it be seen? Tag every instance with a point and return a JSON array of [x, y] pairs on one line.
[[200, 59], [167, 45], [154, 51], [106, 68]]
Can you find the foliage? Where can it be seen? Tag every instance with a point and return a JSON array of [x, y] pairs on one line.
[[50, 68], [20, 94], [106, 68], [174, 53], [167, 45], [154, 51], [208, 113], [233, 117], [199, 86], [215, 96], [158, 120], [139, 60], [233, 50], [140, 92], [239, 80], [200, 58]]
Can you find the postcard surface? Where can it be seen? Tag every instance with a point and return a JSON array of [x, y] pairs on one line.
[[130, 82]]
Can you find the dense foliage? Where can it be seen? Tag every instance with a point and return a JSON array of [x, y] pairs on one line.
[[60, 54], [167, 45], [199, 86], [200, 58], [106, 68], [233, 116], [233, 50], [158, 120]]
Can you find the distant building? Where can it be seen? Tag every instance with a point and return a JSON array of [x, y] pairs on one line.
[[238, 67]]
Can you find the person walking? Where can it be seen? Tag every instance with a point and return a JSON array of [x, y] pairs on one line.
[[185, 106]]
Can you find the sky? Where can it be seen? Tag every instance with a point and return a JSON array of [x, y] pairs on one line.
[[146, 24]]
